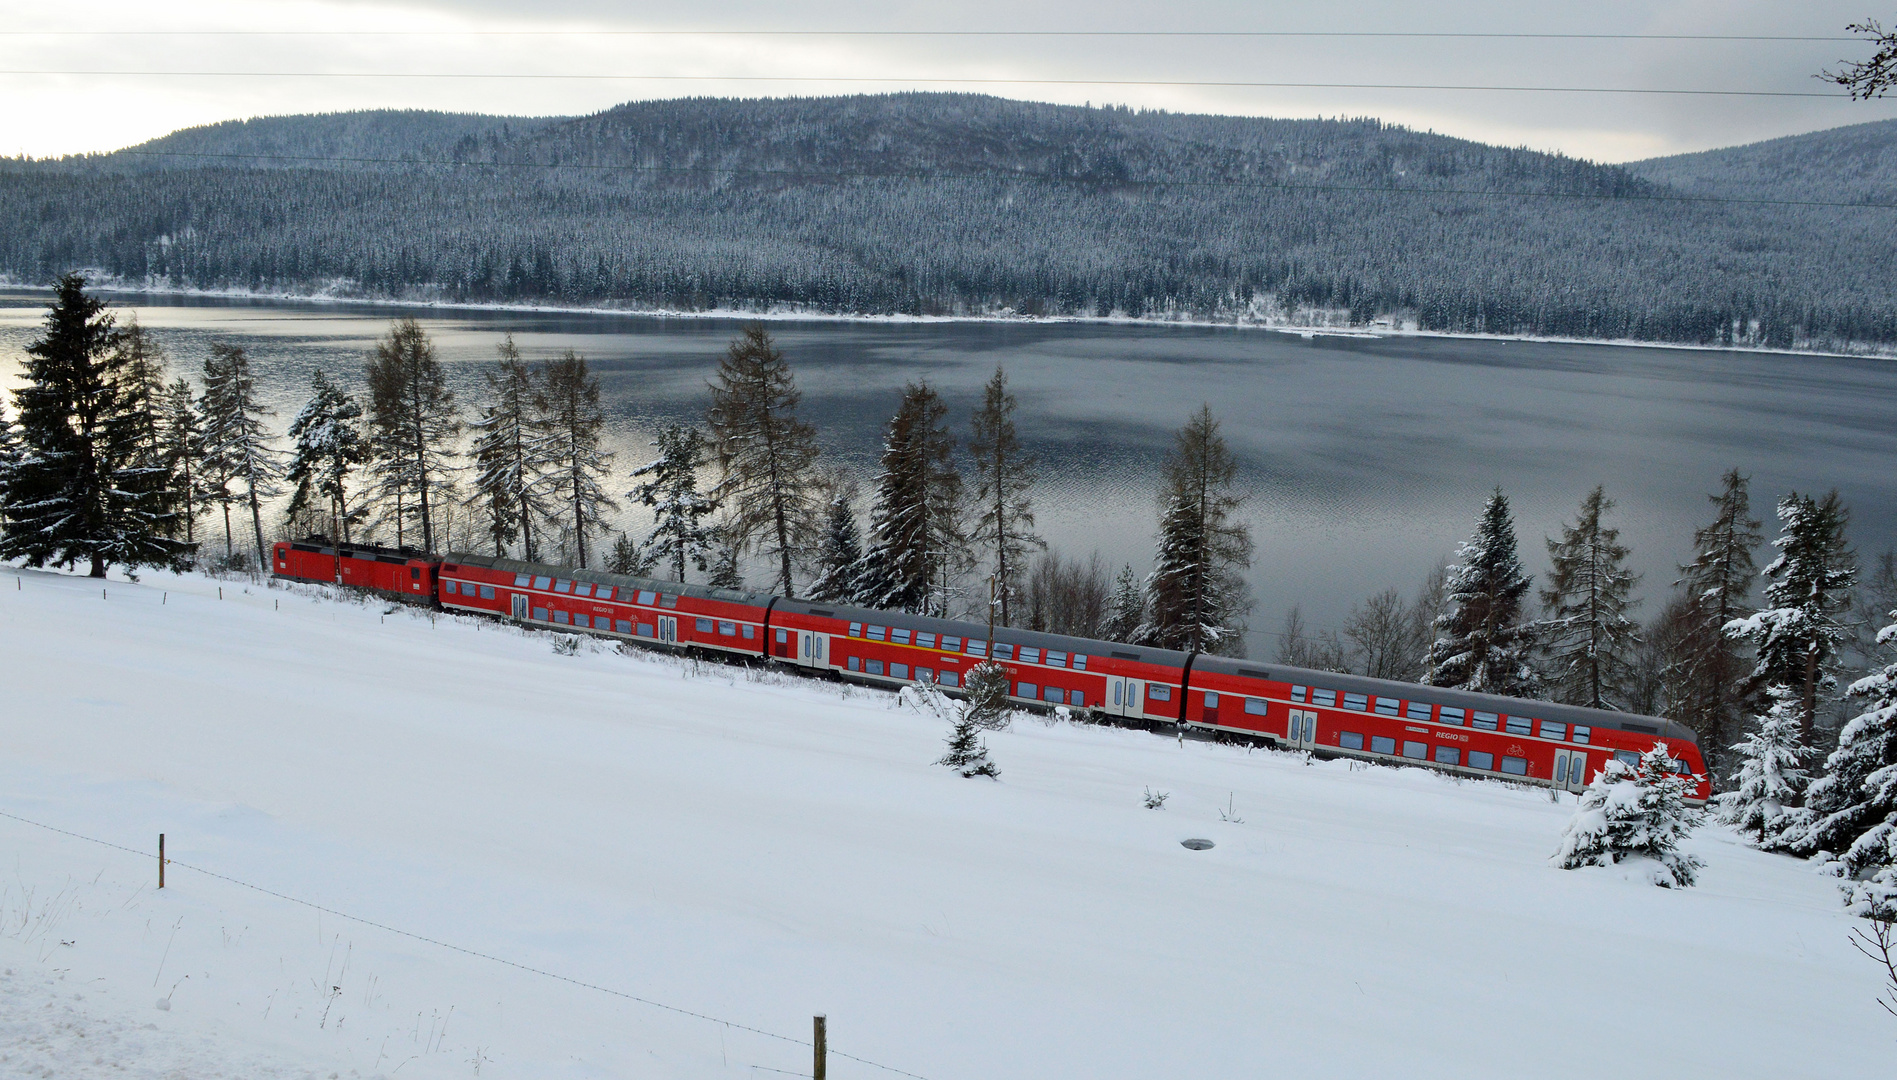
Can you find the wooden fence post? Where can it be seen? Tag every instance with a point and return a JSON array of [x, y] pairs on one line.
[[818, 1067], [161, 860]]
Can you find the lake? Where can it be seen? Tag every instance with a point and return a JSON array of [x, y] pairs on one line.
[[1365, 459]]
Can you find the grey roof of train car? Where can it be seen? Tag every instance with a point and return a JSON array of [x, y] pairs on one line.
[[601, 577]]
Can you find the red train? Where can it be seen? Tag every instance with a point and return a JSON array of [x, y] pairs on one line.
[[1536, 742]]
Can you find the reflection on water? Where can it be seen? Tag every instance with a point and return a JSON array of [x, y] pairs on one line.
[[1366, 459]]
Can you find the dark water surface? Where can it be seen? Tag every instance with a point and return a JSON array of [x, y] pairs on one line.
[[1365, 459]]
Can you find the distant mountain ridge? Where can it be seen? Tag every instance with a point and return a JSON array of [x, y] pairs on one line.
[[966, 204]]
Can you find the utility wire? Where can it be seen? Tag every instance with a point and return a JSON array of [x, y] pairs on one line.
[[933, 81], [734, 1025], [838, 174]]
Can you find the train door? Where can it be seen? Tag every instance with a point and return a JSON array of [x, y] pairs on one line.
[[1300, 729], [668, 629], [520, 606], [1570, 770], [809, 649], [1124, 696]]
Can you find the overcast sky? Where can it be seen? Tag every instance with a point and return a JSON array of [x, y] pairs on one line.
[[48, 114]]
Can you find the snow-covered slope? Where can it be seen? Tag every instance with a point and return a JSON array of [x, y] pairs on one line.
[[758, 847]]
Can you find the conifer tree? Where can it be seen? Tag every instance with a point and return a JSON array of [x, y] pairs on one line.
[[510, 455], [1708, 674], [237, 446], [413, 427], [625, 557], [916, 543], [1196, 595], [1126, 610], [1004, 473], [181, 444], [1858, 790], [840, 549], [1483, 642], [679, 532], [328, 445], [575, 463], [9, 460], [1635, 812], [80, 488], [1797, 635], [766, 455], [1588, 639], [1771, 780], [966, 754], [141, 366], [725, 571]]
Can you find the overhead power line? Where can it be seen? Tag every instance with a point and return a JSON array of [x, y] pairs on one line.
[[934, 81], [839, 174], [1498, 35]]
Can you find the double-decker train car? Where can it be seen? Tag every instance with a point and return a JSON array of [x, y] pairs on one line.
[[1535, 742]]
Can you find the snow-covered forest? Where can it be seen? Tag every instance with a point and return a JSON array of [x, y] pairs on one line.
[[963, 204]]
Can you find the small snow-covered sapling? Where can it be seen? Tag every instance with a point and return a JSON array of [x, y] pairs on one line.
[[1154, 800]]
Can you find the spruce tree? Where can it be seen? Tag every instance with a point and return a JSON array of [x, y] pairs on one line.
[[82, 487], [575, 463], [1004, 473], [1126, 610], [839, 556], [1858, 790], [141, 366], [181, 444], [1798, 634], [766, 455], [413, 428], [328, 445], [237, 446], [510, 455], [1634, 812], [679, 534], [966, 754], [1771, 779], [9, 460], [916, 543], [1587, 638], [1196, 595], [1706, 675], [1483, 642], [625, 557]]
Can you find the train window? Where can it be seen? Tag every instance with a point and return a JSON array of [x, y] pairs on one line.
[[1419, 710], [604, 592], [621, 626], [878, 633], [540, 614], [1027, 690], [1626, 757], [1515, 766], [1481, 759], [562, 618], [562, 585], [1004, 651], [1388, 706], [645, 629], [977, 648], [1357, 702], [602, 622], [1380, 744], [1077, 698], [1030, 655], [727, 628], [668, 600], [1080, 662], [925, 675], [874, 667], [1448, 755], [1520, 725], [703, 626], [450, 588], [1056, 659], [487, 592], [543, 582], [749, 631], [1297, 694], [1449, 714], [1554, 729], [582, 588], [1321, 696], [646, 597], [951, 643], [856, 664], [1054, 694], [783, 636], [521, 580], [949, 678], [927, 641], [1257, 706], [899, 635], [414, 573], [1211, 700], [1350, 740], [1155, 692], [1484, 720], [1582, 733], [856, 629], [1415, 750], [899, 671]]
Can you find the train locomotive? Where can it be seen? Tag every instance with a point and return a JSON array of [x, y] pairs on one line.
[[1455, 731]]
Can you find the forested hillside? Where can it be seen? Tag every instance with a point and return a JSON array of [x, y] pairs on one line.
[[962, 204]]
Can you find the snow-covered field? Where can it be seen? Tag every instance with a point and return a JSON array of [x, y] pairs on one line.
[[759, 847]]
